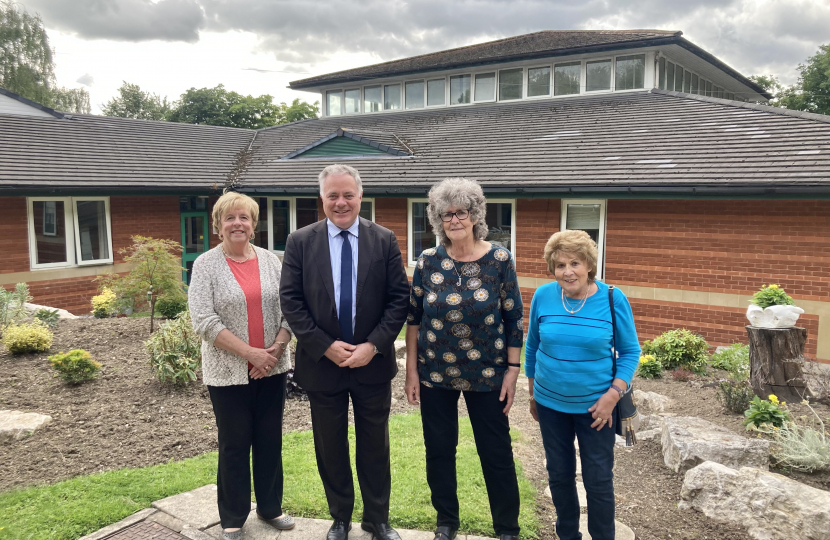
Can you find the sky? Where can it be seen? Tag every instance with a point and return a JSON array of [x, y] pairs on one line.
[[258, 46]]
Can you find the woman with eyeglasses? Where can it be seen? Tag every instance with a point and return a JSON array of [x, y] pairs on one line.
[[464, 336]]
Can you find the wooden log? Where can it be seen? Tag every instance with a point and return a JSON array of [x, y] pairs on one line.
[[776, 360]]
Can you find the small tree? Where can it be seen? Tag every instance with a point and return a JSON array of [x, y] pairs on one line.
[[158, 271], [13, 305]]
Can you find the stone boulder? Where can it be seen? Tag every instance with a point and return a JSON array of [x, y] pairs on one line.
[[652, 401], [18, 424], [62, 313], [689, 441], [770, 506]]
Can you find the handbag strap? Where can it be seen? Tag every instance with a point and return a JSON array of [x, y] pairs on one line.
[[613, 331]]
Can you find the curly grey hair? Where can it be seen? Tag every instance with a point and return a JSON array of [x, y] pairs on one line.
[[338, 168], [461, 193]]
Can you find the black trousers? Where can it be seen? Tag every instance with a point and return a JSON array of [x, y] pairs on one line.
[[330, 423], [249, 418], [491, 429]]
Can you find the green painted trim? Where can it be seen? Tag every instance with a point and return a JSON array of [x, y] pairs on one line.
[[340, 146], [188, 257]]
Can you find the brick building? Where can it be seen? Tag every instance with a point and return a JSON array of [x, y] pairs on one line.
[[696, 195]]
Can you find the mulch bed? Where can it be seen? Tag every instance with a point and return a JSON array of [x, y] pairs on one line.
[[126, 418]]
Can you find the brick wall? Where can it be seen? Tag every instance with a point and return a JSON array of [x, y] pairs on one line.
[[157, 217], [14, 235], [536, 220]]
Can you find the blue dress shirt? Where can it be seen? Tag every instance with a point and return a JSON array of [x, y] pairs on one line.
[[335, 249]]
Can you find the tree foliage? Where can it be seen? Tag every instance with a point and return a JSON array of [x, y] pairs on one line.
[[812, 91], [132, 102], [298, 110], [72, 100]]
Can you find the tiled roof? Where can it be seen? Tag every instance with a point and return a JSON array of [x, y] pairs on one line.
[[87, 152], [538, 44], [643, 142]]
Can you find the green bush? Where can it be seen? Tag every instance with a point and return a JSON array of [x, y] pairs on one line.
[[679, 348], [104, 304], [27, 338], [171, 304], [800, 447], [49, 317], [175, 351], [771, 295], [649, 367], [735, 396], [762, 411], [75, 367], [734, 360]]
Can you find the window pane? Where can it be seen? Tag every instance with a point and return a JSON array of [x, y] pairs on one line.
[[353, 101], [598, 75], [687, 82], [436, 92], [630, 72], [499, 221], [415, 95], [194, 240], [335, 103], [511, 82], [422, 236], [50, 231], [280, 216], [192, 204], [306, 212], [366, 210], [678, 79], [372, 99], [538, 82], [669, 76], [662, 69], [694, 84], [485, 86], [92, 230], [460, 86], [566, 78], [392, 97], [584, 217], [261, 232], [709, 88]]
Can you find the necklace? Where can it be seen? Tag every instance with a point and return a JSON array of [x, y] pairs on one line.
[[248, 249], [454, 269], [580, 304]]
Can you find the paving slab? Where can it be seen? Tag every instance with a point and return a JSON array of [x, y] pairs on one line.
[[166, 520], [622, 532], [580, 493], [18, 424], [141, 515], [195, 534], [196, 508]]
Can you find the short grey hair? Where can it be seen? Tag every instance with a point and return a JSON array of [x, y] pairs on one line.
[[461, 193], [338, 168]]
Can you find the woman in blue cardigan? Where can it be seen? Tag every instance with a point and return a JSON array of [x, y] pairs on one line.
[[572, 383]]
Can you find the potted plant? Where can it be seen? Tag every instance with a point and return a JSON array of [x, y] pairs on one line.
[[772, 307]]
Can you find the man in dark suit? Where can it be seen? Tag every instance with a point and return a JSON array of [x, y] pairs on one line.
[[345, 294]]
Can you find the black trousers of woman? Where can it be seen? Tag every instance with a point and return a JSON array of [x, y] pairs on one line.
[[491, 429], [249, 418]]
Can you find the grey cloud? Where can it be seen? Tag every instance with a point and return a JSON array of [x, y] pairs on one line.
[[86, 79], [124, 20]]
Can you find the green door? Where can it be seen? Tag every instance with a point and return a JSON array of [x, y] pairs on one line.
[[194, 239]]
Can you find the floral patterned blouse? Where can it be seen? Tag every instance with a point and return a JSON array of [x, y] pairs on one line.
[[468, 313]]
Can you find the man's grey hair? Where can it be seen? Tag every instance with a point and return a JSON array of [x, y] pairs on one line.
[[461, 193], [338, 168]]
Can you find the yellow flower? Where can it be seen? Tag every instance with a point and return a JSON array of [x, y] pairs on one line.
[[805, 402], [773, 286], [773, 399]]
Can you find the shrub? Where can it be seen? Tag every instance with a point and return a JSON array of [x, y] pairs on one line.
[[649, 367], [679, 348], [49, 317], [103, 305], [75, 367], [734, 360], [763, 411], [682, 374], [175, 351], [801, 447], [735, 396], [13, 305], [171, 304], [771, 295], [27, 338]]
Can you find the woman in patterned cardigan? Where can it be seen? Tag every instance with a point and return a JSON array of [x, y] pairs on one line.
[[465, 336]]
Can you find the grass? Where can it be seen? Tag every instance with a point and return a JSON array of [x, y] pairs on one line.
[[82, 505]]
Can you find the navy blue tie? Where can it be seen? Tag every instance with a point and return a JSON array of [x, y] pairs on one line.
[[345, 314]]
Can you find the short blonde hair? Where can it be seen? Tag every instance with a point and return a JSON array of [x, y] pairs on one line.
[[228, 202], [576, 243]]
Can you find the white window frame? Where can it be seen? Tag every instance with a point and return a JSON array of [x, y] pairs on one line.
[[550, 85], [370, 200], [403, 94], [472, 77], [512, 203], [646, 73], [603, 213], [342, 101], [446, 92], [359, 101], [73, 240], [524, 84], [583, 87], [495, 73], [292, 218]]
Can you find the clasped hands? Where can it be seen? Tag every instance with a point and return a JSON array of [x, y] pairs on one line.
[[264, 360], [347, 355]]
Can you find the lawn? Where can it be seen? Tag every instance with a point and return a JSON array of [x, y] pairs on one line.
[[76, 507]]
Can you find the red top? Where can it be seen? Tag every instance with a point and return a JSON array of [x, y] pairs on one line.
[[247, 275]]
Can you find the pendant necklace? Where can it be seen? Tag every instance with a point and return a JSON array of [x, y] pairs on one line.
[[234, 260], [580, 304]]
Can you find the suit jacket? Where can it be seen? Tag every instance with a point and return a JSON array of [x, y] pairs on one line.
[[308, 304]]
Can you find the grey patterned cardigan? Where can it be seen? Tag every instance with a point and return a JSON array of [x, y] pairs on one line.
[[216, 302]]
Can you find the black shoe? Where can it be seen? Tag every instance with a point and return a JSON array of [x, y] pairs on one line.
[[509, 537], [339, 530], [443, 532], [381, 531]]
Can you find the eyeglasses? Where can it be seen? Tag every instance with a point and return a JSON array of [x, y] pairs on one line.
[[460, 214]]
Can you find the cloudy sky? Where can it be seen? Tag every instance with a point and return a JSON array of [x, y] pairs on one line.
[[258, 46]]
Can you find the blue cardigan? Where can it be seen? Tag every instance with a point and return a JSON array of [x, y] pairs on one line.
[[569, 356]]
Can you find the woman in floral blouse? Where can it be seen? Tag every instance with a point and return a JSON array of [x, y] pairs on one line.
[[464, 335]]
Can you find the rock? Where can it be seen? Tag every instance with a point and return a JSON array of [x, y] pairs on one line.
[[62, 313], [400, 349], [770, 506], [651, 421], [621, 532], [689, 441], [652, 401], [18, 424], [580, 494], [649, 434]]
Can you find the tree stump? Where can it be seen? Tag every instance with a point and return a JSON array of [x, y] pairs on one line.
[[776, 359]]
